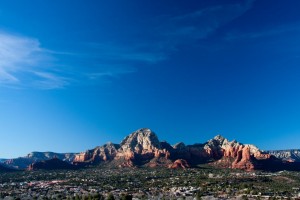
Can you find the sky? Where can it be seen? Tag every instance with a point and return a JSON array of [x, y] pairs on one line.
[[76, 74]]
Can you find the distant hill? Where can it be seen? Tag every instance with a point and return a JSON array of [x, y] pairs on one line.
[[5, 168], [287, 155], [52, 164], [24, 162]]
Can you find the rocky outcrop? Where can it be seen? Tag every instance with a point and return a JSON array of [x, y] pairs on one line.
[[292, 155], [106, 152], [234, 154], [24, 162], [52, 164], [142, 146], [142, 142], [179, 164]]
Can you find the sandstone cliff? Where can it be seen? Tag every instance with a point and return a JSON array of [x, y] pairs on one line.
[[143, 147], [106, 152]]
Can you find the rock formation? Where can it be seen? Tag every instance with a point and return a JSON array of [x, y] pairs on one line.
[[143, 148], [234, 154], [179, 164], [106, 152]]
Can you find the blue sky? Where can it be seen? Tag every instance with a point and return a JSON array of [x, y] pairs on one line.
[[76, 74]]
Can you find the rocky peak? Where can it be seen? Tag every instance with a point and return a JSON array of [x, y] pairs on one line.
[[110, 145], [179, 146], [253, 149], [220, 140], [219, 137], [142, 139], [217, 142]]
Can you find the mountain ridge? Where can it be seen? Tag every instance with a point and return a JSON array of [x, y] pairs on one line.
[[25, 161], [143, 148]]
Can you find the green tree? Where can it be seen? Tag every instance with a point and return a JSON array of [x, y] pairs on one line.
[[110, 196], [199, 195], [77, 197], [126, 197], [98, 196]]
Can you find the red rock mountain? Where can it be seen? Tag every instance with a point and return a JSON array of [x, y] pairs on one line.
[[143, 147], [106, 152]]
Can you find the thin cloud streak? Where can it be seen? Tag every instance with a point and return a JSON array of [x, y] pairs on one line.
[[115, 73], [23, 62], [50, 81], [16, 53], [20, 58]]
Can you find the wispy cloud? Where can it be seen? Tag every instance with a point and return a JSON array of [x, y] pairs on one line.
[[16, 53], [112, 72], [108, 60], [46, 80], [25, 63], [22, 57]]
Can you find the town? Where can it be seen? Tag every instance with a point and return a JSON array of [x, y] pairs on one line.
[[204, 182]]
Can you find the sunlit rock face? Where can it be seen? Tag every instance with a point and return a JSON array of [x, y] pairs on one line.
[[179, 164], [142, 147], [235, 155], [142, 142], [103, 153]]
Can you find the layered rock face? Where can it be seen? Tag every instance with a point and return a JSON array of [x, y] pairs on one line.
[[138, 148], [143, 147], [234, 154], [179, 164], [143, 143], [106, 152]]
